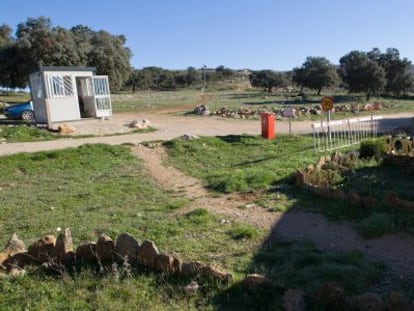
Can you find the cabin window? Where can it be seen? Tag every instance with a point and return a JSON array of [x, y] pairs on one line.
[[60, 86]]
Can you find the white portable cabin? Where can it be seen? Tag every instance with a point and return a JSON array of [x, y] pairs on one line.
[[68, 94]]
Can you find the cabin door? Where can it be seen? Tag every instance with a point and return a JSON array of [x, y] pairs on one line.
[[102, 96]]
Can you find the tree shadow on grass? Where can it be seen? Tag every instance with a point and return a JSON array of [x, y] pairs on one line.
[[234, 139], [304, 250]]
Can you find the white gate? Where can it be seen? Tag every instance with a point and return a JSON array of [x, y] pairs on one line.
[[343, 133], [102, 96]]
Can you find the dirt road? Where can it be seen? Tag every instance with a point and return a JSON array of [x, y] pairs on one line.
[[170, 125]]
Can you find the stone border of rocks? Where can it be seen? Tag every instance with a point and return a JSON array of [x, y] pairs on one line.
[[58, 255], [391, 199], [328, 297]]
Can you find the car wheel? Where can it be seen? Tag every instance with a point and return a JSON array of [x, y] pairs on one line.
[[27, 115]]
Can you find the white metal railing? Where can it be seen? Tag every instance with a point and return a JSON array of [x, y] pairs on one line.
[[330, 135]]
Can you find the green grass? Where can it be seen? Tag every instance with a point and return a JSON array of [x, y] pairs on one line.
[[251, 164], [100, 188], [377, 179], [301, 265], [14, 97], [376, 224], [242, 231], [24, 133], [216, 98], [95, 188], [148, 100], [241, 163]]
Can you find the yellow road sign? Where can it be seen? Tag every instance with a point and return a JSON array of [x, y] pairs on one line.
[[327, 103]]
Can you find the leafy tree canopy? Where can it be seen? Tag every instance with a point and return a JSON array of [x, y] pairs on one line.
[[267, 79], [38, 42], [397, 71], [362, 73], [316, 73]]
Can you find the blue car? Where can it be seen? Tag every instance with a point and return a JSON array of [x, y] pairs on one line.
[[23, 111]]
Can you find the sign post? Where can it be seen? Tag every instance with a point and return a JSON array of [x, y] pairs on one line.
[[327, 105], [290, 113]]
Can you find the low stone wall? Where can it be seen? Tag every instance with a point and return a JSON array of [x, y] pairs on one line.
[[58, 256], [391, 199]]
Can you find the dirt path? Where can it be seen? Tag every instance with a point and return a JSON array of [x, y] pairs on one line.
[[231, 207], [397, 250]]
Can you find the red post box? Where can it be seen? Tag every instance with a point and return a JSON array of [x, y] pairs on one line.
[[268, 125]]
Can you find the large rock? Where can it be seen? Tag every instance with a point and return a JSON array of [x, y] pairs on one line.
[[370, 202], [86, 254], [13, 247], [18, 260], [167, 263], [192, 268], [140, 124], [391, 199], [294, 300], [105, 249], [300, 178], [195, 268], [64, 245], [147, 253], [322, 192], [43, 250], [66, 129], [126, 246], [253, 282], [338, 194], [331, 297]]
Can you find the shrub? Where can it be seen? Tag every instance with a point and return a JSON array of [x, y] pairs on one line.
[[371, 148], [199, 216], [376, 225], [242, 231], [176, 203], [229, 182]]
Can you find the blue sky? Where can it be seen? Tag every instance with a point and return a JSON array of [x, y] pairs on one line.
[[255, 34]]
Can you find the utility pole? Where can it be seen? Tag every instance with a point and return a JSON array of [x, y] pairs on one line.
[[204, 77]]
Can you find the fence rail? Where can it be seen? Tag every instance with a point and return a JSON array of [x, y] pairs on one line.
[[331, 135]]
